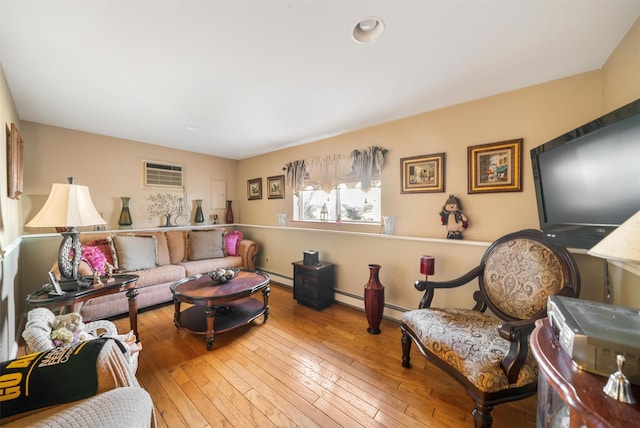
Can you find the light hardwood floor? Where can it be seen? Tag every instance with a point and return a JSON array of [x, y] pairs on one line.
[[302, 368]]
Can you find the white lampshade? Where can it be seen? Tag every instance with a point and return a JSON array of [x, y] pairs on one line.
[[68, 205], [623, 244]]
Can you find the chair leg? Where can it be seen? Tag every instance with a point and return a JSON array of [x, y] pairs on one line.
[[406, 350], [482, 416]]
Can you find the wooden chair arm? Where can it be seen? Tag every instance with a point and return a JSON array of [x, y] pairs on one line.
[[516, 332], [429, 286]]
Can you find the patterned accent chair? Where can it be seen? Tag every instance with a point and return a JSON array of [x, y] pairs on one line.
[[489, 354]]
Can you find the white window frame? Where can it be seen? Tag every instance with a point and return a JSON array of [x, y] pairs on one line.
[[335, 204]]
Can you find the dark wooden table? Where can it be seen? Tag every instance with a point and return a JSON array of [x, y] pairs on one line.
[[220, 307], [119, 283], [569, 394]]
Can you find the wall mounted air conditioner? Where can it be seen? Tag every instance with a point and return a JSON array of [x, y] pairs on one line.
[[160, 174]]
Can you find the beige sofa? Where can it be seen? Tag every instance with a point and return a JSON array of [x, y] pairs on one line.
[[178, 254]]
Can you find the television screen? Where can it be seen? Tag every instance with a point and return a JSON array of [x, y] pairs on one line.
[[588, 180]]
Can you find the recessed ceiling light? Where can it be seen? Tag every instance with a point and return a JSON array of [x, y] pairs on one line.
[[192, 128], [368, 30]]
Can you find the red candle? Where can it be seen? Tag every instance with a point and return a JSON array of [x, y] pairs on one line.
[[427, 265]]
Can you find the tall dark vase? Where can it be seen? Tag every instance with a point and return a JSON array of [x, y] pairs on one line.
[[229, 217], [125, 215], [374, 299], [199, 218]]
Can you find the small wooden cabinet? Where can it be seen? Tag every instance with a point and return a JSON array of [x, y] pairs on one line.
[[313, 284], [572, 398]]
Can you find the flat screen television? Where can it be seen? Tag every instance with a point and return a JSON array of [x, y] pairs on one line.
[[587, 181]]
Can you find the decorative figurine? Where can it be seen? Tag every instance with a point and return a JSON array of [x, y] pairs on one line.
[[452, 218], [108, 272], [96, 277]]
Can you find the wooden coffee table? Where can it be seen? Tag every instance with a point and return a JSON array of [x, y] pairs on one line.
[[219, 307]]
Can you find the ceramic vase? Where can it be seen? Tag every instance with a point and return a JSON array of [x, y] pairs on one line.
[[374, 299], [199, 218], [229, 217], [125, 215]]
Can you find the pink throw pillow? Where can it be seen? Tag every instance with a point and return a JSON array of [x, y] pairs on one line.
[[94, 257], [232, 242]]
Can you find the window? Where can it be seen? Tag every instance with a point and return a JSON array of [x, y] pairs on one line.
[[346, 202]]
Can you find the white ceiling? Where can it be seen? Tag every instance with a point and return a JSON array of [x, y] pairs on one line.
[[256, 76]]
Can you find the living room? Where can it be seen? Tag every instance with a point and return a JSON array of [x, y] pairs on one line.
[[111, 168]]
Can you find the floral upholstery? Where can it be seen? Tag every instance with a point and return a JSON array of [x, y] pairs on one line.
[[469, 342], [520, 275], [488, 353]]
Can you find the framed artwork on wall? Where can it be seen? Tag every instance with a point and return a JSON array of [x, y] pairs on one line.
[[495, 167], [14, 163], [422, 174], [275, 187], [254, 189]]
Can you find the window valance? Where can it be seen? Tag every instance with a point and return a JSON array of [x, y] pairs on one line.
[[327, 171]]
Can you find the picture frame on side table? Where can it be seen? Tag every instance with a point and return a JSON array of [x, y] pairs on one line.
[[495, 167], [254, 189], [14, 163], [275, 187], [422, 174], [55, 285]]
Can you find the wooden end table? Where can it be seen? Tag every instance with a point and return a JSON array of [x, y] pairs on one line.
[[219, 307], [119, 283], [571, 397]]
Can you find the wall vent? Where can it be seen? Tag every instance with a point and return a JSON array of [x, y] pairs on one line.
[[158, 174]]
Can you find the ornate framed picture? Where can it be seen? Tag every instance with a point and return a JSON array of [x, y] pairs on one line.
[[14, 163], [495, 167], [275, 187], [254, 189], [422, 174]]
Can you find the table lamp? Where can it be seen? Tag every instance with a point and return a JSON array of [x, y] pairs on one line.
[[623, 244], [67, 207]]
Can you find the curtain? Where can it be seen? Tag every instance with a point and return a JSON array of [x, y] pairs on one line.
[[367, 165], [328, 171], [296, 172]]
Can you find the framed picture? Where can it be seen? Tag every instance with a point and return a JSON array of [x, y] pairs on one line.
[[422, 174], [254, 189], [275, 187], [495, 167], [14, 163], [55, 285]]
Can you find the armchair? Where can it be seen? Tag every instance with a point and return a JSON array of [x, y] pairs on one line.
[[489, 355]]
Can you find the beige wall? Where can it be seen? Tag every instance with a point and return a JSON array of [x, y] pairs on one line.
[[620, 76], [111, 168]]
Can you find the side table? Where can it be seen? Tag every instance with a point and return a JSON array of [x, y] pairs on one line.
[[119, 283], [313, 284], [569, 396]]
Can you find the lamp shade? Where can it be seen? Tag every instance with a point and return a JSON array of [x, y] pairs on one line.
[[623, 244], [68, 205]]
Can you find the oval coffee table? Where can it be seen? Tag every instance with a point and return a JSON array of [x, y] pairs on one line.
[[219, 307]]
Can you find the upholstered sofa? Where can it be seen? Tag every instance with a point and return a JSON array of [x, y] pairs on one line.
[[160, 258]]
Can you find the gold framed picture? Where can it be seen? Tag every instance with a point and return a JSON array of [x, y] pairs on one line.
[[275, 187], [254, 189], [422, 174], [495, 167]]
